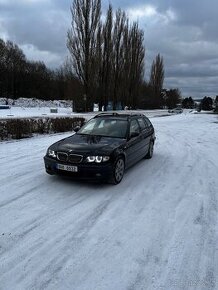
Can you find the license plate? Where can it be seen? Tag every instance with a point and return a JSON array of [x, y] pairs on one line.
[[67, 168]]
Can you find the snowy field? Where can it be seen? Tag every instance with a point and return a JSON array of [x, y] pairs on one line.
[[29, 107], [35, 112], [158, 229], [24, 112]]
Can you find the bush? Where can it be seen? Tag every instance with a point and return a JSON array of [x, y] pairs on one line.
[[207, 104], [23, 128], [17, 129], [65, 124]]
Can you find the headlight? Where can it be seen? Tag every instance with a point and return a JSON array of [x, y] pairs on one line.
[[90, 158], [52, 153], [105, 158], [97, 159]]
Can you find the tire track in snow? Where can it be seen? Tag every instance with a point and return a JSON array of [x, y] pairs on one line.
[[156, 230]]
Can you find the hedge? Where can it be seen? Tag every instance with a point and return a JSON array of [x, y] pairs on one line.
[[24, 128]]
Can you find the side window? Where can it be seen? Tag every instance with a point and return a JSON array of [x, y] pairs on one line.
[[134, 127], [142, 124], [147, 122]]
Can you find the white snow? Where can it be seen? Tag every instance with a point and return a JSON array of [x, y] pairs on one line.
[[28, 107], [25, 112], [37, 112], [36, 108], [158, 229]]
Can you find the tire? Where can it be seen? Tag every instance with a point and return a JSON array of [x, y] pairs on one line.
[[118, 171], [150, 150]]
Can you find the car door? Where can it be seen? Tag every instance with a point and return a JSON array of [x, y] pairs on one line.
[[145, 136], [150, 129], [133, 145]]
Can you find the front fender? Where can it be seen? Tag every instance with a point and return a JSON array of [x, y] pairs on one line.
[[120, 152]]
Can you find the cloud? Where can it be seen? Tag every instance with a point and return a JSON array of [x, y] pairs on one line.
[[33, 53], [183, 32], [150, 14], [23, 2], [144, 11], [189, 47], [200, 86], [37, 23]]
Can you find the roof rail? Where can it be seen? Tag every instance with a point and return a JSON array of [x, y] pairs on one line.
[[135, 114], [106, 114], [128, 115]]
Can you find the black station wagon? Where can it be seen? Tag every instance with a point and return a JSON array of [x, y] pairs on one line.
[[103, 148]]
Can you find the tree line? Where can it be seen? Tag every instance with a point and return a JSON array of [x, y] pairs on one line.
[[108, 57], [20, 77], [205, 104], [106, 65]]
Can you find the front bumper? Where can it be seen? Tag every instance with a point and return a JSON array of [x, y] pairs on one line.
[[85, 170]]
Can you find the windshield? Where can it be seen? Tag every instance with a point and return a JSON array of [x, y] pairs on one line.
[[105, 127]]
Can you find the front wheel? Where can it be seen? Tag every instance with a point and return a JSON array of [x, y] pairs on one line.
[[118, 171], [150, 151]]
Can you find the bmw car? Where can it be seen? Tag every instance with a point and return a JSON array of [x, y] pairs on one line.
[[103, 148]]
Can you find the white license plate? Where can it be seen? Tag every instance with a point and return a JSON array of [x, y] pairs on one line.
[[67, 168]]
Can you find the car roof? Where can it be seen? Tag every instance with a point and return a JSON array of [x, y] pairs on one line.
[[116, 115]]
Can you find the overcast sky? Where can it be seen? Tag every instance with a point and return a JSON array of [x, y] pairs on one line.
[[184, 32]]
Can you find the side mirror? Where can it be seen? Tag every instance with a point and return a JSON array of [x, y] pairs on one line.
[[76, 129], [134, 134]]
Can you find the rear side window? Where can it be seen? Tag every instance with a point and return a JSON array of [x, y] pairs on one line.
[[142, 124], [147, 122], [134, 127]]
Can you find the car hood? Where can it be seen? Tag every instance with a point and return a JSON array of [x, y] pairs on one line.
[[87, 143]]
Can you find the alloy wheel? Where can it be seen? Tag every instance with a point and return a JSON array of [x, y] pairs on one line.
[[119, 170]]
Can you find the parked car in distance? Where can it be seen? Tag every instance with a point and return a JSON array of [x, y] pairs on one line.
[[103, 148], [175, 110]]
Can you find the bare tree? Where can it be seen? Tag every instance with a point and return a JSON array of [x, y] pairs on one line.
[[157, 79], [118, 54], [128, 60], [82, 40], [136, 64], [20, 77], [107, 56]]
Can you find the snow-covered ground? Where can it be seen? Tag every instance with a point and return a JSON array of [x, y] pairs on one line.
[[25, 112], [35, 108], [28, 107], [158, 229], [35, 112], [41, 112]]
